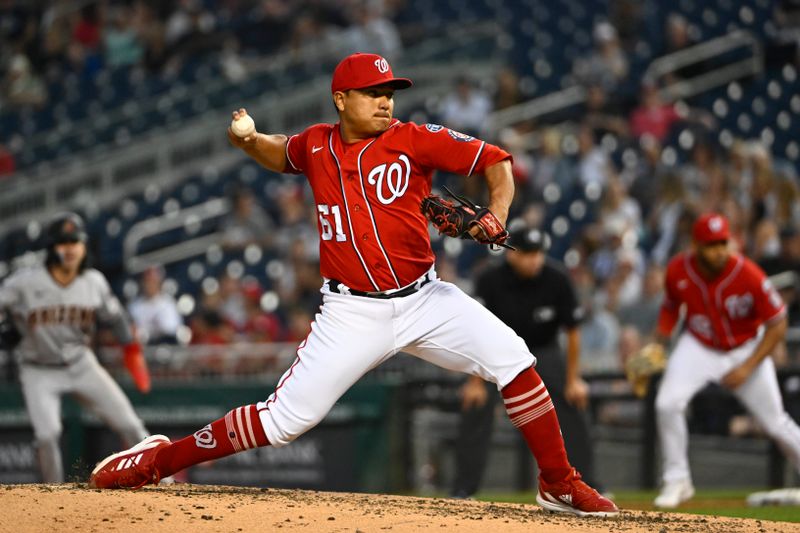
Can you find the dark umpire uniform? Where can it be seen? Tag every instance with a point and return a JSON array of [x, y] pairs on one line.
[[534, 296]]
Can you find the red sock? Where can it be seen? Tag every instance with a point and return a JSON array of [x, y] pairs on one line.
[[237, 431], [531, 410]]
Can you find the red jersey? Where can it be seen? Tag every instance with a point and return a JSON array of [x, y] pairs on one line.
[[723, 312], [373, 235]]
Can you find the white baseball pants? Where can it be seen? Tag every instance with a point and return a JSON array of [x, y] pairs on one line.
[[690, 367], [353, 334], [93, 387]]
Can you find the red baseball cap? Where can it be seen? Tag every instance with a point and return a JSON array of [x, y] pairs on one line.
[[711, 227], [358, 71]]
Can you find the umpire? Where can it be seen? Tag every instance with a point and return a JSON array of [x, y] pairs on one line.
[[533, 295]]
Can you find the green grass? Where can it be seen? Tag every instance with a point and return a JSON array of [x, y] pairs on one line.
[[708, 502]]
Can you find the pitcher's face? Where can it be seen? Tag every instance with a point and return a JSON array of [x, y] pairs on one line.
[[366, 112]]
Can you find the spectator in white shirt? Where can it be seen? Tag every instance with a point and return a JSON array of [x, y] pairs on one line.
[[154, 312], [466, 108]]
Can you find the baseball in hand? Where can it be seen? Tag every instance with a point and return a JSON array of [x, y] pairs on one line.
[[243, 127]]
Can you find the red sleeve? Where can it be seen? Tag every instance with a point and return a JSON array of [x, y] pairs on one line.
[[296, 150], [445, 149], [769, 305], [671, 306]]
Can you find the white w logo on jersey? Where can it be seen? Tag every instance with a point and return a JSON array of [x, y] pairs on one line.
[[739, 305], [390, 179]]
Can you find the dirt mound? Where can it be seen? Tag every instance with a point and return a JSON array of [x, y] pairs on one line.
[[198, 508]]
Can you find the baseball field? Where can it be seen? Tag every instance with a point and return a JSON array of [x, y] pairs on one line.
[[198, 508]]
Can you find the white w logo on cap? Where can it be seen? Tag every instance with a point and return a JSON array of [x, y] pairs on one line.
[[382, 65], [715, 224]]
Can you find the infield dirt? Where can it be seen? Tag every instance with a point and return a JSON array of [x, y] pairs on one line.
[[197, 508]]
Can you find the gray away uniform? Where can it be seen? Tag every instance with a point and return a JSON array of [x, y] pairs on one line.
[[57, 324]]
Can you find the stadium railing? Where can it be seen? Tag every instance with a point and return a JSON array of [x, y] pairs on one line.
[[136, 262], [718, 75]]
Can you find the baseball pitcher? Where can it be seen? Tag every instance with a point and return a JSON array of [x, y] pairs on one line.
[[734, 318], [54, 307], [371, 179]]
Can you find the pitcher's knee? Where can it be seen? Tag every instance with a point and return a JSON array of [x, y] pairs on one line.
[[282, 427]]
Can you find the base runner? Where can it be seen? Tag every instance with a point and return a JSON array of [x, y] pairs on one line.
[[734, 319], [55, 307], [370, 174]]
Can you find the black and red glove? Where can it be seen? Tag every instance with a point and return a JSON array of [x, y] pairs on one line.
[[456, 220], [136, 365]]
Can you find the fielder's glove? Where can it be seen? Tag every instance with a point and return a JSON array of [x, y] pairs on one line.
[[455, 220], [650, 360]]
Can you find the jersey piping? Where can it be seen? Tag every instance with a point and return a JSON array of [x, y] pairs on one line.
[[371, 217], [718, 297], [700, 285], [289, 159], [477, 156], [347, 210], [779, 314]]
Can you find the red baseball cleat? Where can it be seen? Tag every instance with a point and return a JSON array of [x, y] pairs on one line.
[[572, 495], [130, 469]]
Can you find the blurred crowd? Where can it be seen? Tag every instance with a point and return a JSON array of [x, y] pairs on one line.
[[643, 165], [652, 166], [236, 306], [43, 41]]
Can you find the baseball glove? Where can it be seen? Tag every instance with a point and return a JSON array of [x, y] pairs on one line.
[[650, 360], [455, 220]]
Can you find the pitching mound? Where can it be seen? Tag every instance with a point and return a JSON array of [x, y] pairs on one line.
[[196, 508]]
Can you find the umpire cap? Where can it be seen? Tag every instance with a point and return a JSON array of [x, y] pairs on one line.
[[529, 240], [66, 227]]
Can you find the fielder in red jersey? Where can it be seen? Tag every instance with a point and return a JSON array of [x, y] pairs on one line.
[[722, 312], [734, 318], [369, 174]]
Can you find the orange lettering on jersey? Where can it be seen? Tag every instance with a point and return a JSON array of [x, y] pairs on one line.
[[87, 317], [79, 317]]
